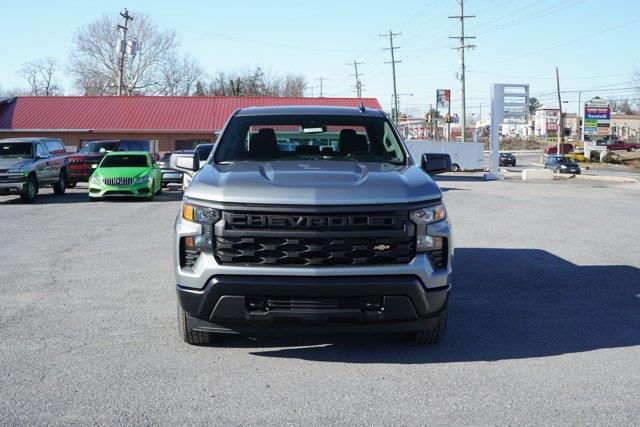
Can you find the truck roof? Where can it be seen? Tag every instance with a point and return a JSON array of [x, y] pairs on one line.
[[27, 140], [309, 110]]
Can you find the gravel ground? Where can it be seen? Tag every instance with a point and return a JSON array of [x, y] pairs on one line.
[[544, 322]]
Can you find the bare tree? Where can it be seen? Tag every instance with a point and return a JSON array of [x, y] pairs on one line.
[[40, 75], [94, 62], [179, 76], [293, 85], [256, 82], [14, 91]]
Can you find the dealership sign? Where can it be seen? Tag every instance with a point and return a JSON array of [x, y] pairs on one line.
[[443, 98], [597, 117]]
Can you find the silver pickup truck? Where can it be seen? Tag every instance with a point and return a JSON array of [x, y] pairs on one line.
[[28, 164], [312, 219]]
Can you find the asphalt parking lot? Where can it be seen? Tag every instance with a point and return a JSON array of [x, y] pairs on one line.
[[544, 322]]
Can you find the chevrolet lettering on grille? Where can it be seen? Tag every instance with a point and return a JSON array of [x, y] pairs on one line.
[[305, 221]]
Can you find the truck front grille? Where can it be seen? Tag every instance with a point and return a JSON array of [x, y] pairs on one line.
[[118, 182], [314, 251]]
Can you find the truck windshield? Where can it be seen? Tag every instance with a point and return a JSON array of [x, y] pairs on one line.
[[310, 137], [20, 150], [125, 161], [94, 147]]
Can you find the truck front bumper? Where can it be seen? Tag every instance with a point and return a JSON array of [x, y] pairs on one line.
[[243, 304], [11, 187]]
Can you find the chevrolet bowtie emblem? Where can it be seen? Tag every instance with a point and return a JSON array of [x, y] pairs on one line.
[[381, 248]]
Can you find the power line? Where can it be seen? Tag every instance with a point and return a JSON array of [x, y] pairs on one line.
[[461, 48], [393, 63]]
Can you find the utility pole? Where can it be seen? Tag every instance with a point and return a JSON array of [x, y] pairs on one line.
[[393, 63], [357, 76], [580, 119], [461, 48], [321, 79], [122, 45], [560, 121]]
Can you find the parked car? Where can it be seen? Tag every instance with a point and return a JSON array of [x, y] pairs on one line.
[[125, 174], [561, 164], [28, 164], [564, 149], [171, 176], [80, 163], [271, 239], [195, 160], [615, 144], [507, 159], [577, 154]]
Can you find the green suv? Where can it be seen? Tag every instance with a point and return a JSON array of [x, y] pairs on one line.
[[126, 174]]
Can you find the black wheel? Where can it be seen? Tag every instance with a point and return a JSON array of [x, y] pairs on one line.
[[431, 336], [71, 184], [455, 168], [30, 190], [187, 334], [61, 185], [632, 149]]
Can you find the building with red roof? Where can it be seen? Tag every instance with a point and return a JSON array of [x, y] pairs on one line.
[[170, 122]]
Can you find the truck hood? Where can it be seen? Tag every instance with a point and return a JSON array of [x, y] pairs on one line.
[[122, 172], [85, 156], [12, 162], [312, 183]]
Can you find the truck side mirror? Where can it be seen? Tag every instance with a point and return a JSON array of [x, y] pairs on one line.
[[196, 162], [182, 162], [435, 163]]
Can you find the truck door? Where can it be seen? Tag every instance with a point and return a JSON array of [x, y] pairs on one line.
[[56, 158], [43, 164]]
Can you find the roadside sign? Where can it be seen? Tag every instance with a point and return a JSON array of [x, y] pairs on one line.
[[443, 98], [597, 117]]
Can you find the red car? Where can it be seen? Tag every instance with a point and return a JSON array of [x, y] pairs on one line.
[[553, 149], [80, 163]]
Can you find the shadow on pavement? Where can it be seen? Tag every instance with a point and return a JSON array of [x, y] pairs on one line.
[[505, 304], [79, 195], [462, 176]]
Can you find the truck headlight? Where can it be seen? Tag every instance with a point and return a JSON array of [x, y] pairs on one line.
[[200, 214], [142, 179], [17, 171], [95, 179], [204, 216], [423, 217]]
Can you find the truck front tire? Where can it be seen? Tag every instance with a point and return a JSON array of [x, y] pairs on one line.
[[189, 335], [30, 190], [431, 336]]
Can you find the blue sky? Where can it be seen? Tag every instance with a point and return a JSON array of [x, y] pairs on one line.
[[516, 42]]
